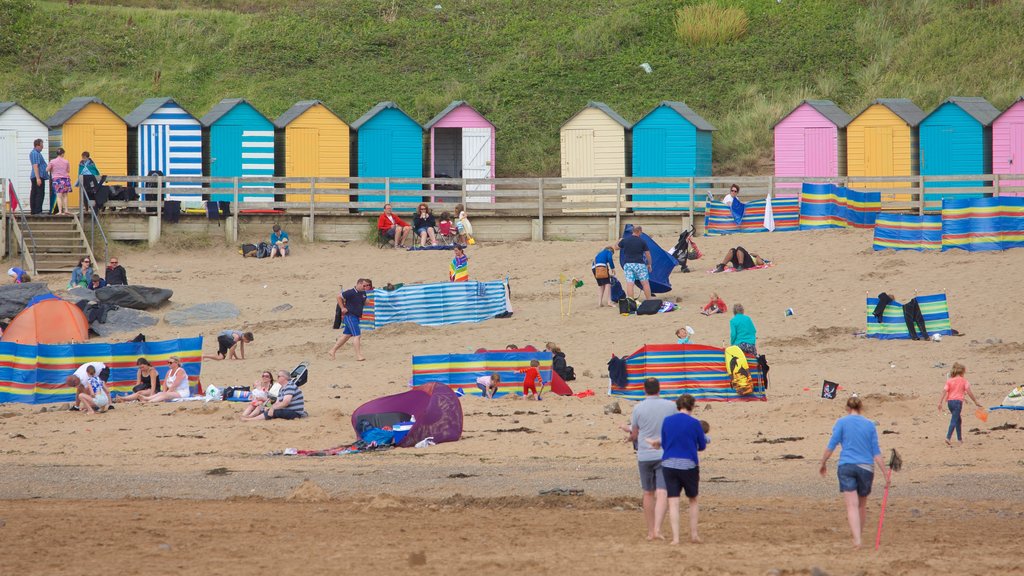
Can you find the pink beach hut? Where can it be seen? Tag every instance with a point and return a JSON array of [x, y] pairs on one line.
[[1008, 147], [810, 142], [461, 145]]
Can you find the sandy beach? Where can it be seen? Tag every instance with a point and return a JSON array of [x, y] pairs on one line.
[[952, 510]]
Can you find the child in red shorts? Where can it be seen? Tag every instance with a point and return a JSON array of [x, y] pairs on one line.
[[530, 382]]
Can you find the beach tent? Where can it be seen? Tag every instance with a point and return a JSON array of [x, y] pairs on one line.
[[686, 369], [810, 142], [164, 137], [389, 145], [661, 267], [86, 124], [19, 128], [238, 142], [670, 141], [312, 141], [436, 409], [48, 322], [1008, 147], [883, 141], [462, 145], [956, 139]]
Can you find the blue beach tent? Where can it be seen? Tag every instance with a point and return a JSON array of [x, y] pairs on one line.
[[956, 139], [238, 141], [390, 145]]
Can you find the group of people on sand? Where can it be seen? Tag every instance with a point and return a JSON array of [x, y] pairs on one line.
[[83, 276], [58, 172], [92, 393], [425, 227]]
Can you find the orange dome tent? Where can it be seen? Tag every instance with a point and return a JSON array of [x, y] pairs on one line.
[[48, 322]]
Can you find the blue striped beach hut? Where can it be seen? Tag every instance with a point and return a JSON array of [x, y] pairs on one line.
[[390, 144], [238, 141], [163, 136]]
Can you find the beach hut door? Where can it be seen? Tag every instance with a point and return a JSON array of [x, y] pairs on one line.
[[476, 156], [817, 145], [1016, 157], [9, 159]]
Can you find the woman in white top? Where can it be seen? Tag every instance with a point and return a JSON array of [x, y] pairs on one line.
[[175, 383]]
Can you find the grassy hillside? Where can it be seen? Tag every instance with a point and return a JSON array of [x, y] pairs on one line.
[[527, 65]]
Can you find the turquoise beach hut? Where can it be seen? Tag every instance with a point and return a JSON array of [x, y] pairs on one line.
[[956, 139], [238, 141], [390, 145], [670, 141]]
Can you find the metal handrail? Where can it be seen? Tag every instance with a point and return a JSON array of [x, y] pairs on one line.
[[22, 247], [95, 223]]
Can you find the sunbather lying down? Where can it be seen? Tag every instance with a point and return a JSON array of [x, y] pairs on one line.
[[739, 258]]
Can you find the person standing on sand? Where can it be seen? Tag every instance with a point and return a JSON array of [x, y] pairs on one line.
[[645, 422], [953, 395], [682, 437], [351, 302], [859, 439], [636, 262]]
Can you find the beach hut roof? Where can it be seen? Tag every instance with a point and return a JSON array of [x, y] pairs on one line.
[[603, 108], [686, 112], [145, 110], [455, 104], [826, 108], [74, 107], [222, 108], [978, 108], [902, 107], [1012, 104], [297, 110], [377, 110], [5, 106]]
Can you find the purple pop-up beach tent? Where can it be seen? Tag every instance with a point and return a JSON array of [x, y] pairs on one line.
[[437, 411]]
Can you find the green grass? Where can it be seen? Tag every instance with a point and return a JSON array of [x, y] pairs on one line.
[[527, 66]]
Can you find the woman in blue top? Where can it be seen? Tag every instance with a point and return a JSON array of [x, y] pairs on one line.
[[742, 332], [603, 270], [81, 274], [682, 437], [278, 242], [859, 439]]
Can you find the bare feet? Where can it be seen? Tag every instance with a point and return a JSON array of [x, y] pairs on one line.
[[331, 354], [948, 443], [674, 542], [361, 359], [695, 539]]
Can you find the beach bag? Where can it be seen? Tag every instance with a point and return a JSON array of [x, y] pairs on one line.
[[648, 307], [248, 251], [601, 272], [627, 306], [692, 252], [262, 250]]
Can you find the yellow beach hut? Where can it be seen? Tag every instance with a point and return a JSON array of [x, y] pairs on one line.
[[86, 124], [883, 141], [312, 141]]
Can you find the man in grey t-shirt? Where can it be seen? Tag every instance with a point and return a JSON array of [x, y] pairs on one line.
[[645, 422]]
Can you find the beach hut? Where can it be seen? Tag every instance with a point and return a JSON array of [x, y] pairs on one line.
[[461, 145], [19, 128], [1008, 146], [312, 141], [390, 145], [810, 142], [882, 141], [164, 137], [670, 141], [238, 141], [86, 124], [595, 143], [956, 138]]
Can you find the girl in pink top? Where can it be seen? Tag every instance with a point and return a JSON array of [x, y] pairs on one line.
[[60, 174], [953, 395]]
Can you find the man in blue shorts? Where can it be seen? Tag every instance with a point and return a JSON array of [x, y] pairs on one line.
[[636, 262], [645, 422], [351, 303]]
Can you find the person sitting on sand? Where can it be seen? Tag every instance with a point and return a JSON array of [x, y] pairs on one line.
[[175, 383], [259, 394], [530, 380], [96, 283], [683, 335], [290, 402], [715, 306], [116, 275], [94, 394], [79, 379], [488, 385], [279, 242], [739, 259], [147, 382], [558, 364], [682, 437], [81, 274], [227, 341]]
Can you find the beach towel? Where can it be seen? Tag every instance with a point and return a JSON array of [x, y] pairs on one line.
[[458, 270], [725, 270], [738, 208]]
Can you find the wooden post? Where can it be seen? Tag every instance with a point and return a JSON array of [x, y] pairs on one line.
[[159, 204], [463, 193], [693, 202], [312, 208], [995, 185], [618, 206], [771, 187], [920, 198], [234, 212], [540, 205], [387, 190]]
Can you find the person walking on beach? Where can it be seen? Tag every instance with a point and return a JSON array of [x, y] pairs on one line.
[[682, 437], [859, 440], [636, 262], [351, 302], [953, 395], [646, 422]]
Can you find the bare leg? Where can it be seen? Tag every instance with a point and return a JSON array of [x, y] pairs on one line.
[[213, 357], [337, 345], [862, 502], [853, 515], [694, 512], [86, 403], [165, 396], [358, 344], [647, 289], [673, 518], [433, 239], [254, 417], [660, 507], [728, 256], [423, 237], [629, 289], [649, 506]]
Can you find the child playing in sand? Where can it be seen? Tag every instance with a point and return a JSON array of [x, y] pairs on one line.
[[94, 394], [530, 382], [715, 306], [464, 227], [953, 395], [683, 335], [488, 385]]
